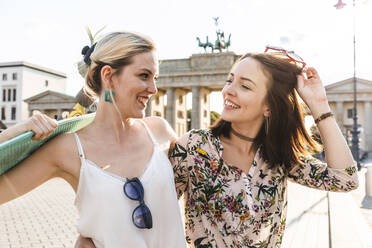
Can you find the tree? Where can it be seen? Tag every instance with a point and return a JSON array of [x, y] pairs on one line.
[[214, 116]]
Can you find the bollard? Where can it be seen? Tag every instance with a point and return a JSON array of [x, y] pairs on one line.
[[369, 180]]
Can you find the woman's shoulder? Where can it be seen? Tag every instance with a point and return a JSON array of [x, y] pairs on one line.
[[196, 137], [204, 135], [156, 122], [206, 132], [161, 130], [62, 142], [65, 149]]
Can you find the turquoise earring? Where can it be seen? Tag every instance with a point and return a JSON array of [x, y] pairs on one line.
[[108, 96]]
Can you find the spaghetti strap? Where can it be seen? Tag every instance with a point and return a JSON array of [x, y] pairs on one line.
[[148, 131], [80, 148]]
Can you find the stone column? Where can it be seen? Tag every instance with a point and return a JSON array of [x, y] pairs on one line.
[[148, 107], [340, 115], [59, 114], [368, 125], [205, 119], [171, 105], [196, 108], [157, 104]]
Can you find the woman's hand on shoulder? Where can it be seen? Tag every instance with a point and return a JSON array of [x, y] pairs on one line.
[[40, 124]]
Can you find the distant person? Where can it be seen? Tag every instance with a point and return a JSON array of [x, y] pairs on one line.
[[117, 165]]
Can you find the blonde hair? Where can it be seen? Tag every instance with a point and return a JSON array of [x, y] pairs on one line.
[[116, 50]]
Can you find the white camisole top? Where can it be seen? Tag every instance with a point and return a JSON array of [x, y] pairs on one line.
[[105, 212]]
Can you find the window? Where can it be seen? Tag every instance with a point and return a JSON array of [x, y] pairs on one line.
[[4, 95], [180, 114], [14, 76], [14, 95], [157, 100], [350, 113], [5, 77], [9, 94], [205, 113], [13, 113], [205, 98], [46, 83], [180, 99], [157, 113], [2, 113]]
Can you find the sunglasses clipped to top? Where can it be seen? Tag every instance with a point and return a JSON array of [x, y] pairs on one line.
[[290, 54], [141, 216]]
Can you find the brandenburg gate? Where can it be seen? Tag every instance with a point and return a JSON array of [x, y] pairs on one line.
[[200, 74]]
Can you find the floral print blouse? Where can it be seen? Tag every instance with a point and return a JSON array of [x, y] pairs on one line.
[[225, 207]]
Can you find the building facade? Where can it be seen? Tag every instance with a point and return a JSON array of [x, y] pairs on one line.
[[340, 98], [52, 103], [201, 74], [21, 80]]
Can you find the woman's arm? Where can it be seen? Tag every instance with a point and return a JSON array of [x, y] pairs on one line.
[[36, 169], [338, 154], [339, 173], [178, 157]]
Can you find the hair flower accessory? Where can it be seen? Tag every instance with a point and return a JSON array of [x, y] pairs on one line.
[[87, 51]]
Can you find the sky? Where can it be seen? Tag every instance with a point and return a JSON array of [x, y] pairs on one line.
[[52, 33]]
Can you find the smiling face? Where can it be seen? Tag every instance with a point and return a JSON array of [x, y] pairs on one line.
[[135, 84], [245, 92]]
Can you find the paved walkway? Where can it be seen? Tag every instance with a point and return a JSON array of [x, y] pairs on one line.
[[43, 218], [363, 201], [46, 217], [307, 218]]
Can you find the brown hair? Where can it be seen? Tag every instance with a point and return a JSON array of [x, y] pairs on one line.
[[116, 50], [287, 139]]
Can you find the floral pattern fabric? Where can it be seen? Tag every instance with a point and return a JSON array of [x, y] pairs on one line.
[[225, 207]]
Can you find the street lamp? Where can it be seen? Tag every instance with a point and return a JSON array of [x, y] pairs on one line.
[[354, 130]]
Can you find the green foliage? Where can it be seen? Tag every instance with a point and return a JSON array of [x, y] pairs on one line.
[[214, 116]]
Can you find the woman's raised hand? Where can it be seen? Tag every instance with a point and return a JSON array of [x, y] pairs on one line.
[[310, 88]]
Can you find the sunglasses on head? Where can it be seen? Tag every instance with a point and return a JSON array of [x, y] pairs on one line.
[[290, 54], [141, 215]]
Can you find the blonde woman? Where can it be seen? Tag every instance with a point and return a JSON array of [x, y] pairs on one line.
[[124, 183]]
